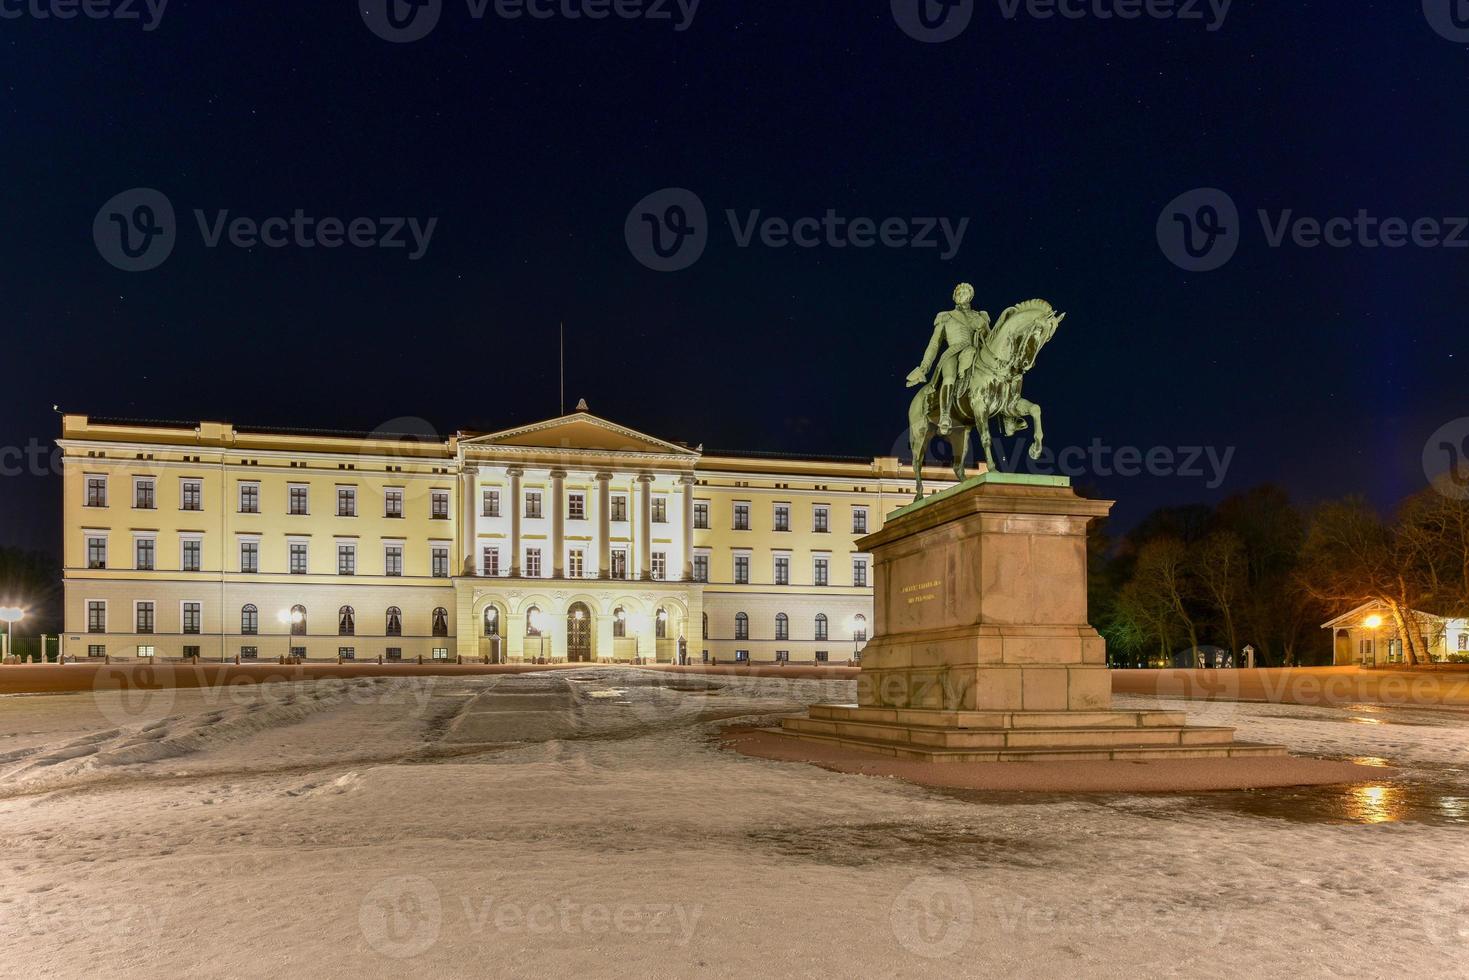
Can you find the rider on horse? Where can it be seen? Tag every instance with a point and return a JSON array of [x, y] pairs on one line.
[[962, 331]]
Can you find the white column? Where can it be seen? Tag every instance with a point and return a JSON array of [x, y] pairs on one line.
[[645, 526], [469, 488], [558, 524], [604, 526], [515, 473], [688, 483]]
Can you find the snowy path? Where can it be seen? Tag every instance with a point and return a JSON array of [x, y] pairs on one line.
[[584, 823]]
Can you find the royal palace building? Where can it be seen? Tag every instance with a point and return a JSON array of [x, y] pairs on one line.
[[573, 539]]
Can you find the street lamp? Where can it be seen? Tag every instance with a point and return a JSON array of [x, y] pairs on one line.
[[292, 618], [538, 622], [1373, 622], [856, 623], [11, 615]]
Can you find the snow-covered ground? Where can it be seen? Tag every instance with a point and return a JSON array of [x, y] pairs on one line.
[[586, 823]]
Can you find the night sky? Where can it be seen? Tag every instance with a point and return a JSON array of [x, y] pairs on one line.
[[531, 140]]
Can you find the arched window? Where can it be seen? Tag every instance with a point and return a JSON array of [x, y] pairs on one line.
[[742, 626], [249, 620], [395, 621], [492, 620], [532, 615], [859, 628], [298, 620], [660, 624], [619, 622], [441, 621], [821, 629], [346, 621], [706, 626], [782, 626]]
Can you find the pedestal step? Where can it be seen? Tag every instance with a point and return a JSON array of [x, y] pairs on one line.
[[999, 720], [928, 736], [1099, 749]]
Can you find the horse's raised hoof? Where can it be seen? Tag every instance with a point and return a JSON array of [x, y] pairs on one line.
[[1035, 450]]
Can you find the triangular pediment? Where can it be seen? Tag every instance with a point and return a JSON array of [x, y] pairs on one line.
[[580, 431]]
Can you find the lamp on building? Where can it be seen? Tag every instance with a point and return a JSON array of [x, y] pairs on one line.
[[1373, 623], [10, 615]]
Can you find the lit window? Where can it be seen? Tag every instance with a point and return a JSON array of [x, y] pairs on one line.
[[441, 621], [492, 561], [576, 563], [395, 621], [492, 621], [660, 565], [576, 506], [249, 620], [533, 562], [346, 621], [821, 626], [619, 563]]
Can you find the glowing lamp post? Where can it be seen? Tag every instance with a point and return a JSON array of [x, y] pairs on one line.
[[11, 615], [539, 621], [290, 618], [1373, 623]]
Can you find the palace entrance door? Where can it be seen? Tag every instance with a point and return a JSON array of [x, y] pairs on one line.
[[579, 634]]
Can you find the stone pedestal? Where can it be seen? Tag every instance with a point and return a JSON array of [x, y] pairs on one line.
[[982, 650]]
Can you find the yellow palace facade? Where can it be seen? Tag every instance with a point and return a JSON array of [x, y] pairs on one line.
[[574, 539]]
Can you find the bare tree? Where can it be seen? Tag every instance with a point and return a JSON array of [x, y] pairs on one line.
[[1218, 566]]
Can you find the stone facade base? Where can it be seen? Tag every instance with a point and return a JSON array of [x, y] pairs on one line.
[[983, 651]]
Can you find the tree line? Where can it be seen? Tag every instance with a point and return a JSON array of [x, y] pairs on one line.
[[1258, 570]]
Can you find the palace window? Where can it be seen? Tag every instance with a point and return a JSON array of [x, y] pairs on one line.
[[298, 620], [782, 656], [393, 503], [346, 559], [742, 517], [660, 510], [143, 617], [191, 554], [191, 495], [346, 653], [619, 507], [491, 561], [96, 491], [297, 500], [490, 500], [533, 503], [393, 560], [96, 650], [701, 515], [440, 653], [346, 621], [742, 569], [440, 561], [782, 517], [492, 621], [859, 520], [249, 653], [394, 653], [96, 552], [821, 571], [821, 656], [144, 548], [346, 501], [782, 626], [193, 614], [619, 563], [533, 562], [742, 626], [782, 570], [742, 656], [145, 652], [701, 568], [441, 621], [820, 518], [576, 563], [576, 506], [249, 498], [249, 620], [298, 558], [439, 505], [660, 566], [395, 621], [821, 627], [144, 495], [1463, 642], [96, 617], [859, 571], [249, 556]]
